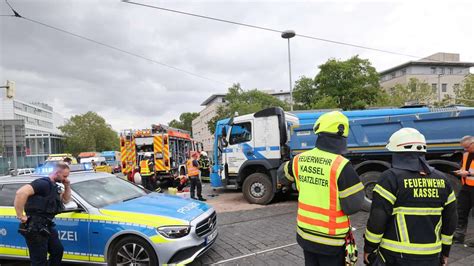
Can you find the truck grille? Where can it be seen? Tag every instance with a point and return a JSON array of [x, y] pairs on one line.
[[207, 225]]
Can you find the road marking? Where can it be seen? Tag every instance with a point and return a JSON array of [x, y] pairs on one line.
[[253, 254]]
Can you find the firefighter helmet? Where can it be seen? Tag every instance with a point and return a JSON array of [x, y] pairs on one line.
[[407, 140], [333, 122]]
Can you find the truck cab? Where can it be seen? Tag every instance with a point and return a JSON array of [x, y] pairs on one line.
[[250, 150]]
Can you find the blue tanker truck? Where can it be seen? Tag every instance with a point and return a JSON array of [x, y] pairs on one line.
[[248, 149]]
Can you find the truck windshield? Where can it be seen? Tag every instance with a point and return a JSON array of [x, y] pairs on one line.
[[105, 191]]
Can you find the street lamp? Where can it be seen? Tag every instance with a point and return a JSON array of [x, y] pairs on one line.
[[288, 34]]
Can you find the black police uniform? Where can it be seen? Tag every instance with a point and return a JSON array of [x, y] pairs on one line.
[[39, 231], [413, 214]]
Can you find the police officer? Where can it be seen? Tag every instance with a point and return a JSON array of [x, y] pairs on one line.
[[329, 191], [413, 214], [204, 165], [466, 195], [42, 199], [147, 171]]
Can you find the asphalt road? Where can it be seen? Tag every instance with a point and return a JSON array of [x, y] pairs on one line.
[[265, 235]]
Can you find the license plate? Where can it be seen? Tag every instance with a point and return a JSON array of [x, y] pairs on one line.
[[211, 237]]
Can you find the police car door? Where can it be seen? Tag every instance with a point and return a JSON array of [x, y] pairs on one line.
[[11, 242], [240, 147], [73, 231]]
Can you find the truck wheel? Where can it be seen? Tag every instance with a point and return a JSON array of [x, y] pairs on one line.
[[258, 189], [455, 183], [132, 250], [369, 180]]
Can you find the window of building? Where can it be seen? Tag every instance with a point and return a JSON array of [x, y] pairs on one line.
[[441, 70], [403, 71], [7, 194], [393, 75], [444, 87], [450, 70], [434, 87], [240, 133], [433, 70]]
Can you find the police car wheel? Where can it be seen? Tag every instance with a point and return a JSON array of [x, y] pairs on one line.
[[132, 250], [258, 189]]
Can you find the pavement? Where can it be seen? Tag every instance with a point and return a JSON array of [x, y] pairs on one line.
[[265, 235]]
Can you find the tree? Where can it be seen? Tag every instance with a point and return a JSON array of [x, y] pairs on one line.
[[465, 93], [244, 102], [352, 84], [89, 132], [415, 91], [304, 93], [185, 121]]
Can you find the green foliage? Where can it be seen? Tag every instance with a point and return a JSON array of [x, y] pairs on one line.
[[244, 102], [304, 93], [350, 84], [353, 84], [89, 132], [465, 93], [415, 91], [185, 121]]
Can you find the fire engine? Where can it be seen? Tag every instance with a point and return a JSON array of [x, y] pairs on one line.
[[170, 149]]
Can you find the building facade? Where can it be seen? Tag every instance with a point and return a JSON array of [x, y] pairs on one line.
[[444, 72], [201, 132], [39, 130]]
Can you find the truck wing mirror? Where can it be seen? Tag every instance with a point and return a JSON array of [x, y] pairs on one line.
[[224, 132]]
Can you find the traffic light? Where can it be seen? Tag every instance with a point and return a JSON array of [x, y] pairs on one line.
[[10, 89]]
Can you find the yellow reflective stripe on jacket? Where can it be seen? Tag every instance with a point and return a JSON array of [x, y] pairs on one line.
[[402, 228], [438, 229], [385, 194], [417, 211], [451, 198], [321, 239], [411, 248], [374, 238], [446, 240], [287, 175], [351, 190]]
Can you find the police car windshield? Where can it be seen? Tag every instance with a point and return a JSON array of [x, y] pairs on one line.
[[105, 191]]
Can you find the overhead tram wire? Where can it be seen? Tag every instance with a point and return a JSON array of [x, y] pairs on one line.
[[16, 14], [275, 30]]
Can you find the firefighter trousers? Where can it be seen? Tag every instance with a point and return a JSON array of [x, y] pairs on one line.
[[315, 259], [465, 201]]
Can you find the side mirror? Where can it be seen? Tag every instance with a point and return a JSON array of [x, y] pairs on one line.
[[71, 206], [224, 132]]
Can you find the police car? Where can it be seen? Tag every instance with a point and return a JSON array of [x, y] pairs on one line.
[[113, 221]]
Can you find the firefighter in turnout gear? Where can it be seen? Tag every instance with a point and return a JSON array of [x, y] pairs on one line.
[[466, 195], [204, 166], [413, 214], [329, 191], [147, 171]]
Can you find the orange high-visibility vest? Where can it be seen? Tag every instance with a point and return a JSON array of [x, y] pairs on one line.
[[316, 173], [467, 180], [192, 170], [144, 169]]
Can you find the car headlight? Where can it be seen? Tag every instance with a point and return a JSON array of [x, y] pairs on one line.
[[174, 231]]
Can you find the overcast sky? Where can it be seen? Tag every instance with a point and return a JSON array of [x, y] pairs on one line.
[[76, 76]]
